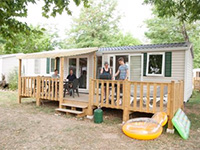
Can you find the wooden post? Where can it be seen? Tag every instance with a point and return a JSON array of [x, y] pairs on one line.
[[61, 82], [126, 100], [19, 81], [182, 94], [91, 96], [170, 128], [95, 64], [38, 91]]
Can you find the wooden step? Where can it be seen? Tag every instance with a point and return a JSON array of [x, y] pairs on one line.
[[74, 105], [70, 111]]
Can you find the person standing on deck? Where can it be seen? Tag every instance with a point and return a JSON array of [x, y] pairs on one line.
[[55, 75], [106, 71], [123, 74], [122, 71]]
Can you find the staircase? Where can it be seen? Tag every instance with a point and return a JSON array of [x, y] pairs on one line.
[[77, 109]]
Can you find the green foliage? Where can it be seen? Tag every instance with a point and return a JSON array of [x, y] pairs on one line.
[[98, 26], [125, 40], [168, 30], [34, 42], [13, 79], [183, 10], [11, 9]]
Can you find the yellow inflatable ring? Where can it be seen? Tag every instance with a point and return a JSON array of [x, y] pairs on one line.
[[145, 128], [142, 129]]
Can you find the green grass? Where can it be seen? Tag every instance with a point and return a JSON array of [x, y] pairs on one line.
[[9, 99], [193, 108]]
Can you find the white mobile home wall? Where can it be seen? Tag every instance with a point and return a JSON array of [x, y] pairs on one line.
[[182, 64], [7, 64]]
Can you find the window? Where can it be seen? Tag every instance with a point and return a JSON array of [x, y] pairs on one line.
[[155, 64], [50, 65], [99, 65], [82, 73], [37, 66], [111, 64], [72, 64]]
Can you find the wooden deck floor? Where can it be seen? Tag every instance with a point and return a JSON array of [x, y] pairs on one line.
[[82, 97]]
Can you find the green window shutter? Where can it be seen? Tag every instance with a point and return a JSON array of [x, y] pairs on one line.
[[168, 64], [58, 64], [48, 66], [144, 64]]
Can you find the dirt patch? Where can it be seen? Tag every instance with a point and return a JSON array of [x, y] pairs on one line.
[[26, 126]]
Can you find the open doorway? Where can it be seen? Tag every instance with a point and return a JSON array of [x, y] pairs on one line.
[[126, 61]]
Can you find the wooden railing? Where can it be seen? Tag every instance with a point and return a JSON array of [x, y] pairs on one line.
[[196, 83], [131, 96], [40, 87]]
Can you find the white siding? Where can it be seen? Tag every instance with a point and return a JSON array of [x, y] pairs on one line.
[[188, 75], [8, 65], [29, 66], [178, 70], [135, 68]]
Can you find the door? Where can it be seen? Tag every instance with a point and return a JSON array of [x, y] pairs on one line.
[[126, 61], [83, 73], [79, 66], [136, 67]]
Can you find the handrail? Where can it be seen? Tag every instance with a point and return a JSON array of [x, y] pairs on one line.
[[142, 96], [40, 87]]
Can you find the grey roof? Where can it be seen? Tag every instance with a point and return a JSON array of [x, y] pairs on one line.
[[147, 46]]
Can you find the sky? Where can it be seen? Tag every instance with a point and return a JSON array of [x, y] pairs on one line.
[[134, 15]]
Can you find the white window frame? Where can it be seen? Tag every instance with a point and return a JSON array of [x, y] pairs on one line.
[[163, 64], [77, 68]]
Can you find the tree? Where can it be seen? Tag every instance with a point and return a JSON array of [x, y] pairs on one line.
[[11, 9], [168, 30], [97, 26], [34, 42], [183, 10], [125, 40]]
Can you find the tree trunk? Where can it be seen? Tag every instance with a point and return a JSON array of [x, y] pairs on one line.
[[184, 32]]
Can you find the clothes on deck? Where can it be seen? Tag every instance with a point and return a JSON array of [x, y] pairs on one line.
[[123, 71], [71, 77]]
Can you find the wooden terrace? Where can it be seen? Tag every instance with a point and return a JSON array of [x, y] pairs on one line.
[[129, 96]]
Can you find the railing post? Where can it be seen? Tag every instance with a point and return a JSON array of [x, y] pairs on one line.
[[91, 98], [170, 128], [19, 81], [38, 91], [61, 82], [126, 100]]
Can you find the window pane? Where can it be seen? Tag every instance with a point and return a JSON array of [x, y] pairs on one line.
[[83, 72], [155, 64], [111, 63], [37, 66], [72, 64], [99, 65], [52, 64]]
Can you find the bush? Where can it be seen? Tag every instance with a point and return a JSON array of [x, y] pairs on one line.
[[13, 79]]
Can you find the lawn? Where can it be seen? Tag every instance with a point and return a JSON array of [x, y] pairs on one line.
[[25, 126]]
